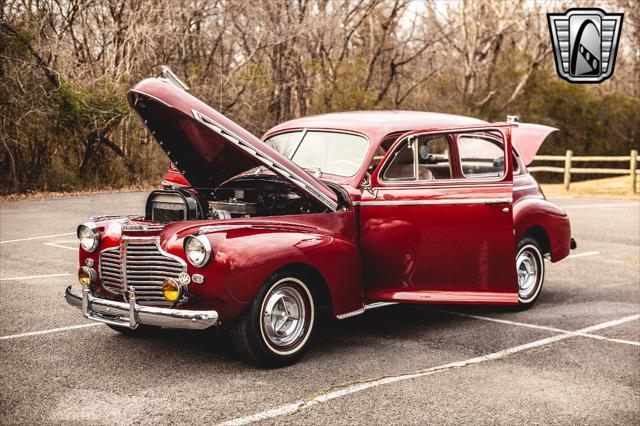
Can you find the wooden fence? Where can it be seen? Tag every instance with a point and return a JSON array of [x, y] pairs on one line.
[[569, 169]]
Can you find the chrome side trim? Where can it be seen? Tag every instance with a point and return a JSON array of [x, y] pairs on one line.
[[214, 228], [376, 305], [446, 132], [434, 202], [141, 227], [524, 188], [277, 167], [131, 315], [457, 183], [351, 314]]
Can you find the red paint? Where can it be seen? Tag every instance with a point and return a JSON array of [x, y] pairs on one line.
[[527, 139], [443, 244]]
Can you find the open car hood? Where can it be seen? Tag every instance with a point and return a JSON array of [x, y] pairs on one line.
[[527, 139], [207, 147]]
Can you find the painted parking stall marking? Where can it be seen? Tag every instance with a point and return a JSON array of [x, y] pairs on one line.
[[61, 244], [34, 277], [41, 237], [540, 327], [49, 331], [294, 407], [587, 253]]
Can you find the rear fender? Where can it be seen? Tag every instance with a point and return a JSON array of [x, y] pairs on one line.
[[529, 213]]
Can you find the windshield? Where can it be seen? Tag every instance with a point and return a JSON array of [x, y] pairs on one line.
[[332, 152]]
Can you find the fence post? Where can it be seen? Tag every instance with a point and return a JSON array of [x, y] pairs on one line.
[[633, 166], [567, 169]]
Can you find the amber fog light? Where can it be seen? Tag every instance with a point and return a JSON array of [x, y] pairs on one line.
[[171, 290], [87, 276]]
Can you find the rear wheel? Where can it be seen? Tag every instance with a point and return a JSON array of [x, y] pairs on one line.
[[530, 271], [275, 330]]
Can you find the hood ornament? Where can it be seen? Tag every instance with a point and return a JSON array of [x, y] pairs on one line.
[[172, 78]]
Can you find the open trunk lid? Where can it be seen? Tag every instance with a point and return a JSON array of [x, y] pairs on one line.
[[207, 147], [527, 139]]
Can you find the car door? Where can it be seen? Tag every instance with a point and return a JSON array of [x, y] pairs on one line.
[[437, 224]]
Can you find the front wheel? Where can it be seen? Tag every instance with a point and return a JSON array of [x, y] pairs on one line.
[[275, 330], [530, 271]]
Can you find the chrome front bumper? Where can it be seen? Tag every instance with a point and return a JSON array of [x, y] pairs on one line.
[[130, 315]]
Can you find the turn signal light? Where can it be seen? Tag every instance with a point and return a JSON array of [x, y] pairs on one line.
[[86, 276], [171, 290]]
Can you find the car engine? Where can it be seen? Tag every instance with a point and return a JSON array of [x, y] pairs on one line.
[[245, 196]]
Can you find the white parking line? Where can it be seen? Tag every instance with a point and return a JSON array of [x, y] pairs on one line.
[[32, 277], [359, 387], [61, 246], [36, 238], [595, 206], [52, 330], [541, 327], [586, 253]]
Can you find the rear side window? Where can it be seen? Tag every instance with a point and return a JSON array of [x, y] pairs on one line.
[[480, 156]]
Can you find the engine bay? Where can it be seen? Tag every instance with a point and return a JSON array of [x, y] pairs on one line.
[[242, 197]]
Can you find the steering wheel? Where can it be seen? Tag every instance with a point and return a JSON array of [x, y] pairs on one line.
[[353, 165]]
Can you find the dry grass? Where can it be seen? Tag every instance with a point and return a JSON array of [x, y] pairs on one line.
[[34, 195], [615, 187]]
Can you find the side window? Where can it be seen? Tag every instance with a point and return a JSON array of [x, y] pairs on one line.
[[433, 158], [480, 156], [401, 166]]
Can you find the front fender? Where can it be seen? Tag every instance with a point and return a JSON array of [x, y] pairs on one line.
[[245, 257], [532, 212]]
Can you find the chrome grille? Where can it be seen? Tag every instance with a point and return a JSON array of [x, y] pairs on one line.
[[110, 271], [144, 266]]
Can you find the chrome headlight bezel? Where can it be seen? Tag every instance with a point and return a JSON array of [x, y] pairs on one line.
[[92, 229], [204, 244]]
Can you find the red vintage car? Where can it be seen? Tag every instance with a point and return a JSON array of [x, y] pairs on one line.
[[334, 213]]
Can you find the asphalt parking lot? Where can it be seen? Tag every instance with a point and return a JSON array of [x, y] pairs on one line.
[[573, 358]]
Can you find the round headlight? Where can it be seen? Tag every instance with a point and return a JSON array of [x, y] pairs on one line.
[[198, 250], [171, 290], [89, 236]]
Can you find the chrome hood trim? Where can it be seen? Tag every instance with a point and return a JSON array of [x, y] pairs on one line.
[[209, 148]]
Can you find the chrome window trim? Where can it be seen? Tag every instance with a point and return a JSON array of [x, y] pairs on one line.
[[490, 137], [443, 182], [416, 163], [326, 130], [447, 186], [279, 168]]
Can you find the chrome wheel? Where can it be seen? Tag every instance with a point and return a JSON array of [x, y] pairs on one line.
[[286, 315], [530, 270]]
